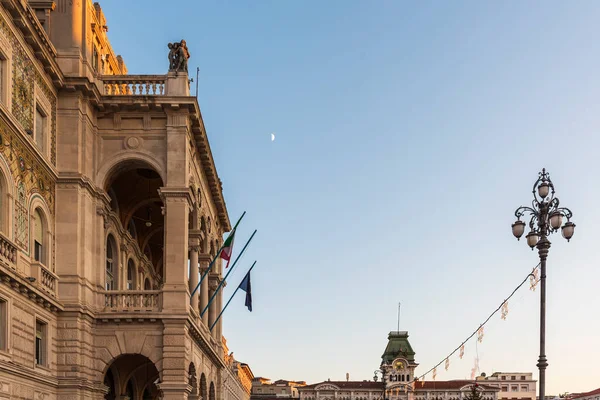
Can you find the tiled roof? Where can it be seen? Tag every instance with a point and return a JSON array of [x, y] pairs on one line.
[[348, 385], [429, 385], [592, 393], [255, 396], [453, 385]]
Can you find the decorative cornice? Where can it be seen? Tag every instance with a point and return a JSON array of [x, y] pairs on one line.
[[169, 193], [17, 370], [82, 181], [204, 343], [25, 288], [34, 34]]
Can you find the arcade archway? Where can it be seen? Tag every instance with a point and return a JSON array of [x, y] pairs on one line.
[[132, 376]]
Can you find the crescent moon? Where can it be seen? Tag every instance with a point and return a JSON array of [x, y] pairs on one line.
[[272, 137]]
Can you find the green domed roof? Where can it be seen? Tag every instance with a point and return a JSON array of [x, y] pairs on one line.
[[398, 346]]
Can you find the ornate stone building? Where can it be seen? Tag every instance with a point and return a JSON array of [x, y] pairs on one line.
[[108, 190], [398, 371], [263, 388], [237, 377]]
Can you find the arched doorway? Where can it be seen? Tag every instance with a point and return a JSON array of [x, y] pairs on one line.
[[133, 376]]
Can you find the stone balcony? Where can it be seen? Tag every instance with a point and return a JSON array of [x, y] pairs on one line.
[[8, 252], [172, 84], [32, 280], [132, 301]]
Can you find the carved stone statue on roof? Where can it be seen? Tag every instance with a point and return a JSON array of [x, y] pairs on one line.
[[178, 56]]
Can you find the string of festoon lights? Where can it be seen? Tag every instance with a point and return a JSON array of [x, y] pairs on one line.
[[503, 308]]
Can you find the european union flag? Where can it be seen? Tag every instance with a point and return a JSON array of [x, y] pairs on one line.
[[247, 287]]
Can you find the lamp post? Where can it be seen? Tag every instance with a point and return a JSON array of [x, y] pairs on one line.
[[383, 379], [546, 218]]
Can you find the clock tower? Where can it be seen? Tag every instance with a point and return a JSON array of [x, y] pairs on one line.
[[398, 365]]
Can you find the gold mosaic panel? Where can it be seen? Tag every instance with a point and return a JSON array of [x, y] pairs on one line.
[[25, 166], [24, 77]]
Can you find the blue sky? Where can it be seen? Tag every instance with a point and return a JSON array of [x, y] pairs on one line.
[[406, 136]]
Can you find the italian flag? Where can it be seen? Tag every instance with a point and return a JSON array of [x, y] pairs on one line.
[[228, 248]]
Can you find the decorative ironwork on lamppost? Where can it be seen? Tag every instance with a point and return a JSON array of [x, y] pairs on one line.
[[546, 217], [383, 379]]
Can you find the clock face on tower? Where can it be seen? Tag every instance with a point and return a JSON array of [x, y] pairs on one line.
[[399, 365]]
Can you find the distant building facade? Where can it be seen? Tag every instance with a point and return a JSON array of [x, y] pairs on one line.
[[513, 385], [398, 367], [591, 395], [237, 377], [263, 388], [370, 390]]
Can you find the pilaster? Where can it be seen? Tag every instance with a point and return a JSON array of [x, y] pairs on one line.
[[175, 289], [174, 383], [212, 309]]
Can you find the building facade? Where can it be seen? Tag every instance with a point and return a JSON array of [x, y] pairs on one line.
[[591, 395], [371, 390], [108, 191], [263, 388], [237, 377], [513, 385], [397, 382]]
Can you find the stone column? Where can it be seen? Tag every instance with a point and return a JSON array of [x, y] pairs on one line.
[[212, 310], [217, 331], [121, 283], [205, 260], [193, 281]]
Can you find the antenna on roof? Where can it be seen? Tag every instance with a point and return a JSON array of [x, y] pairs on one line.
[[197, 75], [399, 304], [347, 376]]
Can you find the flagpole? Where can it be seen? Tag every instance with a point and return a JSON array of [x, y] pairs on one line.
[[224, 279], [231, 298], [216, 256]]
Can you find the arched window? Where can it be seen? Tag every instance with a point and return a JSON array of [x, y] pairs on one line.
[[111, 264], [147, 285], [131, 229], [147, 252], [129, 390], [130, 275], [203, 388], [21, 215], [39, 245], [2, 204], [211, 392]]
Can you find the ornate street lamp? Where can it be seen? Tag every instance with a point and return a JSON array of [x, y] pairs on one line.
[[383, 379], [546, 218]]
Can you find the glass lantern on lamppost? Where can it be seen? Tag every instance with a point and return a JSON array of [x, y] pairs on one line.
[[382, 371], [546, 217]]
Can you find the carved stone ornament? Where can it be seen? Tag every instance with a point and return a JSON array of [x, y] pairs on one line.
[[133, 142], [102, 212]]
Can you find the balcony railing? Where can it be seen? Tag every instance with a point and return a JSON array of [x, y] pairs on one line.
[[132, 300], [8, 252], [134, 85], [46, 279]]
